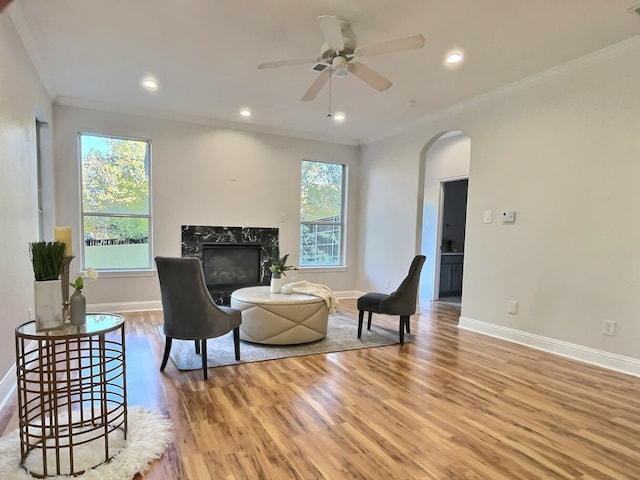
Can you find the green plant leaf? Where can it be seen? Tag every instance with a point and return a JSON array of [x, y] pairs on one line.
[[47, 259]]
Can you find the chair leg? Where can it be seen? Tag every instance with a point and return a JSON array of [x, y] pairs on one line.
[[408, 324], [236, 342], [369, 321], [360, 320], [167, 349], [404, 320], [197, 342], [204, 358]]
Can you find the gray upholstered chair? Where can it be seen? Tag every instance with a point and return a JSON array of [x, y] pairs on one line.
[[189, 311], [401, 302]]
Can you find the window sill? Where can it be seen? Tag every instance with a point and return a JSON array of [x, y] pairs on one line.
[[126, 273], [328, 269]]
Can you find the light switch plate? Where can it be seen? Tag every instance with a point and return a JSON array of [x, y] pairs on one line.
[[488, 216]]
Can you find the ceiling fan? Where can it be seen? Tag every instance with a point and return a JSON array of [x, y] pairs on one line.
[[338, 52]]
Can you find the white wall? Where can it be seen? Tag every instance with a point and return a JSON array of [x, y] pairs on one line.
[[203, 175], [22, 97], [562, 150]]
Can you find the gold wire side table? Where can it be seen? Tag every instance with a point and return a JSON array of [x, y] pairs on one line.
[[72, 395]]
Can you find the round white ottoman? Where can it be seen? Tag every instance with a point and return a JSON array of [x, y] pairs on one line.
[[279, 319]]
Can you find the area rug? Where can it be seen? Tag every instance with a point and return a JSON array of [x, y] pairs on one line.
[[149, 433], [342, 334]]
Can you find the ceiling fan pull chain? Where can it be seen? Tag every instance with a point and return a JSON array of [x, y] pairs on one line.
[[330, 75]]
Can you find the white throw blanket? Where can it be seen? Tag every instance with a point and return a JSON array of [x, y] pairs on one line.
[[318, 290]]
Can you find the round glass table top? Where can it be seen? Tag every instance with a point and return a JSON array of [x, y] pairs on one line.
[[96, 323]]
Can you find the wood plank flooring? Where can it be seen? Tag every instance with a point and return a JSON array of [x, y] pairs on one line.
[[452, 404]]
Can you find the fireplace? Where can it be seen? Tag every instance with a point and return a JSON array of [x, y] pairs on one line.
[[247, 248], [229, 266]]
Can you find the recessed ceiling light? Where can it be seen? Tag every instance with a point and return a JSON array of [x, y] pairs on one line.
[[245, 112], [454, 58], [150, 84], [339, 117]]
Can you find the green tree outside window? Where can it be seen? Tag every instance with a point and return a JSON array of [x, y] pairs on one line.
[[321, 213]]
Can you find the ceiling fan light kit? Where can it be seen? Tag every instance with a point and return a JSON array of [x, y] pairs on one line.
[[337, 54]]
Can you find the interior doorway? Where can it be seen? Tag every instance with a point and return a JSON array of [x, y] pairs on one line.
[[452, 240], [445, 159]]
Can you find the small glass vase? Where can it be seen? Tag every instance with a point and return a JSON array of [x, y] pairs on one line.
[[78, 304]]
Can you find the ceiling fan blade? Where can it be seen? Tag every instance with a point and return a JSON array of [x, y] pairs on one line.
[[407, 43], [331, 28], [369, 76], [286, 63], [316, 86]]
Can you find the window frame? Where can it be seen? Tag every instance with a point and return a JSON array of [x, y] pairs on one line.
[[124, 271], [341, 265]]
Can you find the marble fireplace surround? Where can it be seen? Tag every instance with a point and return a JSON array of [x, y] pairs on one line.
[[195, 236]]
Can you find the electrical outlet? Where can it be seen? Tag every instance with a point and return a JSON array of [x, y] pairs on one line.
[[609, 327], [512, 307]]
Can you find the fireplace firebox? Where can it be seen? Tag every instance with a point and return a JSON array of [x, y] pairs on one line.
[[229, 266]]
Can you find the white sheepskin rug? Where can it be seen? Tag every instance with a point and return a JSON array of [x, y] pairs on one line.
[[149, 433]]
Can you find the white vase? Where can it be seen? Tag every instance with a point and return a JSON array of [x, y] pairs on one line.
[[276, 283], [48, 304]]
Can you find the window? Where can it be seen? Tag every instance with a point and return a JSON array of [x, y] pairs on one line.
[[321, 214], [116, 218]]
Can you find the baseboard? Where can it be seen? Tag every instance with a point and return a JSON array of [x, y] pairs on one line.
[[347, 294], [7, 386], [122, 307], [592, 356]]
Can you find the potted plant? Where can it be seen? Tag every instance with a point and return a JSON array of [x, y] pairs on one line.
[[47, 259], [278, 268]]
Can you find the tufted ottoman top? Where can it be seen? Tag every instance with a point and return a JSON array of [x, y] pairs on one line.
[[280, 319]]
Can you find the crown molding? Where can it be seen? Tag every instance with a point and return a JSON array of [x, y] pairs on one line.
[[199, 120], [612, 51]]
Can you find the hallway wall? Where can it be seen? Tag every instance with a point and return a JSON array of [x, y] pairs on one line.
[[561, 149]]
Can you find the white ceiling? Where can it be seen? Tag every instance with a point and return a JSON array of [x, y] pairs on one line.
[[204, 55]]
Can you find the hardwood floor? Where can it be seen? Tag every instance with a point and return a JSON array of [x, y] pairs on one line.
[[452, 404]]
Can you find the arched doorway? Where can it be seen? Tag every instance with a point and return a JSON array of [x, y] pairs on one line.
[[445, 159]]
